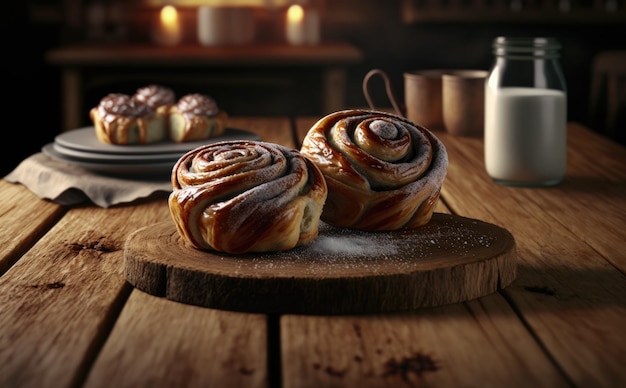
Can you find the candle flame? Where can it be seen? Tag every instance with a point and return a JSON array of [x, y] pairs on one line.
[[169, 16], [295, 13]]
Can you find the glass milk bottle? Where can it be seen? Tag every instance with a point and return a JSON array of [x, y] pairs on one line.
[[526, 113]]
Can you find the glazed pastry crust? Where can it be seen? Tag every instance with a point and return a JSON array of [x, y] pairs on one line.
[[155, 96], [246, 196], [196, 117], [383, 172], [119, 119]]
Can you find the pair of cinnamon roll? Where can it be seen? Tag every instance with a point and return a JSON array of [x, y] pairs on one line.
[[358, 169]]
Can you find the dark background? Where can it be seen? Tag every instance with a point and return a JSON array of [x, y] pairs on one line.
[[453, 38]]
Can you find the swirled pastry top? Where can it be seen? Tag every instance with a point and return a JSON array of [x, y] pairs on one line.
[[383, 171], [114, 105], [246, 196], [197, 104], [155, 96]]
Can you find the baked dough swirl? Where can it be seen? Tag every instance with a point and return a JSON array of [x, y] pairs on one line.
[[383, 172], [121, 119], [246, 196]]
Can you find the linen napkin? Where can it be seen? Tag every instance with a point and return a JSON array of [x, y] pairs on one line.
[[69, 184]]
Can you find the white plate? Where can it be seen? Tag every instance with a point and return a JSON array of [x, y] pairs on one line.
[[161, 170], [84, 139]]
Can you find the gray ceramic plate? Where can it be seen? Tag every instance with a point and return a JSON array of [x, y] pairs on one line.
[[84, 139], [162, 169], [104, 157]]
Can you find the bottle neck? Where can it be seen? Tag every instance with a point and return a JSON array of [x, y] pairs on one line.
[[526, 48], [526, 62]]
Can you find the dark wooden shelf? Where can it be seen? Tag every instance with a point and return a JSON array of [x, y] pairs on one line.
[[416, 11], [193, 54], [251, 68]]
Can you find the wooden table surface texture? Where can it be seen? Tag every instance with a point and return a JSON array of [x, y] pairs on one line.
[[70, 319]]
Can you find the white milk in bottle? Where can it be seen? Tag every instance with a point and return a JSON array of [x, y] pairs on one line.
[[526, 114]]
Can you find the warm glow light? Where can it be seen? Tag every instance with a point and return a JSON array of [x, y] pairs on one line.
[[169, 16], [220, 3], [168, 31], [295, 14], [302, 27]]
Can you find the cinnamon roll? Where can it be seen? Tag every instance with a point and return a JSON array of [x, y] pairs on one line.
[[120, 119], [155, 96], [246, 196], [196, 117], [383, 172]]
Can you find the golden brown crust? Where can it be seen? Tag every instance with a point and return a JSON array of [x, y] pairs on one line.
[[196, 117], [383, 172], [246, 196], [120, 119], [151, 115]]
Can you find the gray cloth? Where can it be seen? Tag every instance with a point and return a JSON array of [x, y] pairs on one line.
[[68, 184]]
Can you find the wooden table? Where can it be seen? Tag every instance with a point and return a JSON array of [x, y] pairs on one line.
[[68, 317], [83, 65]]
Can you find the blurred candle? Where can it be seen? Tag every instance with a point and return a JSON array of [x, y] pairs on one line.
[[312, 26], [302, 26], [225, 25], [295, 25], [168, 30]]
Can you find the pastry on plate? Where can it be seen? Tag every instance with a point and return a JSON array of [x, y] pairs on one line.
[[196, 117], [155, 96], [383, 172], [120, 119], [246, 196]]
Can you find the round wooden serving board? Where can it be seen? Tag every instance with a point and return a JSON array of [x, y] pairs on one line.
[[449, 260]]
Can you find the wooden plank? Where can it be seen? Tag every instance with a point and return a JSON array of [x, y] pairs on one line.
[[157, 342], [58, 300], [593, 162], [329, 53], [73, 279], [601, 165], [27, 218], [481, 343], [303, 124], [272, 129], [568, 289]]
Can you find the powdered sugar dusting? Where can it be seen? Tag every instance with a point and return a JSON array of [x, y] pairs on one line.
[[384, 129], [353, 246], [341, 252]]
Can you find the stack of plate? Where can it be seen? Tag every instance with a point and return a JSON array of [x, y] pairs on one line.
[[82, 147]]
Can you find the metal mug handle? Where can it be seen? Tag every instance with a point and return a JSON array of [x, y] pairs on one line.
[[390, 93]]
